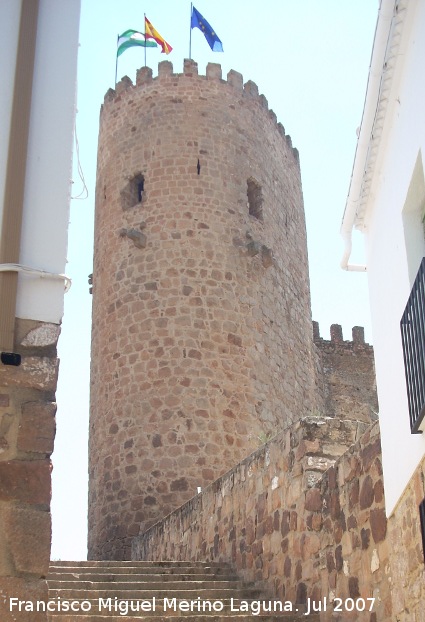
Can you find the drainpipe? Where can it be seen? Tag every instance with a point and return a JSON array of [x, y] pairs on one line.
[[10, 239], [380, 42], [347, 237]]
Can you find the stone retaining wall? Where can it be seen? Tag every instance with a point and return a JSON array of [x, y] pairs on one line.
[[407, 552], [304, 515]]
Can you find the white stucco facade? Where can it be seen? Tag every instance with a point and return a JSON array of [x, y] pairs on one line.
[[389, 210], [49, 161]]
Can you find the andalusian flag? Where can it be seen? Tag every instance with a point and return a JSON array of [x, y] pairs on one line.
[[151, 33], [132, 38]]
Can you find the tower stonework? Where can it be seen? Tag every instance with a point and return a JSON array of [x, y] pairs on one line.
[[202, 341]]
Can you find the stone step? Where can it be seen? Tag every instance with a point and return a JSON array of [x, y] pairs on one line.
[[62, 577], [158, 605], [287, 617], [162, 573], [136, 564], [142, 584], [184, 594], [156, 591]]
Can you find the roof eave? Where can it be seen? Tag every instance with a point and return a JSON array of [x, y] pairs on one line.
[[376, 102]]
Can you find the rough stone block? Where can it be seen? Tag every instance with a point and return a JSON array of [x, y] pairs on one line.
[[6, 421], [190, 67], [272, 116], [37, 427], [27, 532], [281, 131], [370, 452], [23, 589], [235, 79], [42, 336], [143, 76], [263, 102], [34, 373], [213, 71], [25, 480], [4, 400], [266, 256], [358, 335], [336, 333], [124, 84], [366, 493], [109, 95], [253, 248], [165, 68], [319, 463], [250, 89], [378, 524], [137, 237], [313, 500]]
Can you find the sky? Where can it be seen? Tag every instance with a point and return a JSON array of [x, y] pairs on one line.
[[310, 58]]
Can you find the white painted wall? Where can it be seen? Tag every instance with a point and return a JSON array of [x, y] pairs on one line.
[[48, 179], [389, 259]]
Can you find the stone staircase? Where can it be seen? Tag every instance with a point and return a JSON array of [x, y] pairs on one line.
[[108, 591]]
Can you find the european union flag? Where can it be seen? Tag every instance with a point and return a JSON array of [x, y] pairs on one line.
[[200, 22]]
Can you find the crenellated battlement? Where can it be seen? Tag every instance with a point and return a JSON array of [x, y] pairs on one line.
[[346, 374], [248, 90], [337, 338]]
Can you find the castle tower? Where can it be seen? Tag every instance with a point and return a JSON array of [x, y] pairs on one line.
[[202, 339]]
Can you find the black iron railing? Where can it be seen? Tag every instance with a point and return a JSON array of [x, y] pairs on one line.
[[413, 339], [422, 518]]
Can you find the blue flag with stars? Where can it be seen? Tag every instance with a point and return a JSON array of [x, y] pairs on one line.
[[200, 22]]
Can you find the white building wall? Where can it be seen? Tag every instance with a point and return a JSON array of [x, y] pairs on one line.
[[48, 178], [388, 258]]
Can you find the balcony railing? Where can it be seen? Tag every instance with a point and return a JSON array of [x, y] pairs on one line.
[[422, 517], [413, 339]]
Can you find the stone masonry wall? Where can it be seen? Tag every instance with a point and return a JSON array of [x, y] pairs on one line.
[[304, 515], [201, 339], [346, 375], [407, 552], [27, 430]]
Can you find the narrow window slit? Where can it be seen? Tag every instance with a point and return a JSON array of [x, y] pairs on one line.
[[132, 193], [255, 199], [140, 188]]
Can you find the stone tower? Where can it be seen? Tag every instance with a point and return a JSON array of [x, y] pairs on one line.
[[202, 340]]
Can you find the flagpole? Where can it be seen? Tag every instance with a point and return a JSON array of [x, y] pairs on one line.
[[145, 38], [116, 60], [190, 32]]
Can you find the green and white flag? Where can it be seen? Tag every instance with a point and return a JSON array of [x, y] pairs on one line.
[[132, 38]]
